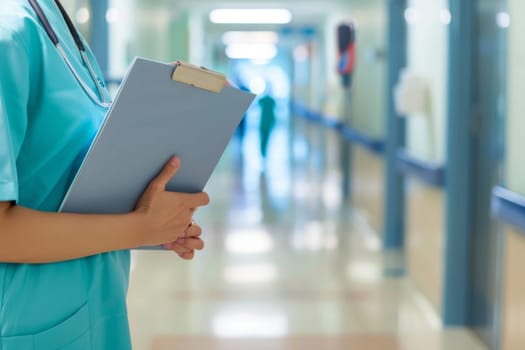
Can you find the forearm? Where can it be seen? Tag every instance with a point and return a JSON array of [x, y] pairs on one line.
[[29, 236]]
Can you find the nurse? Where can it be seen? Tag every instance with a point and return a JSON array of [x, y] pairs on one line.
[[64, 277]]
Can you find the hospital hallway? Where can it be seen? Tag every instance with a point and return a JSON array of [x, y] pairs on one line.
[[287, 265], [388, 210]]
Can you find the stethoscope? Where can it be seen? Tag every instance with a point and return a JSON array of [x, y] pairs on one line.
[[101, 100]]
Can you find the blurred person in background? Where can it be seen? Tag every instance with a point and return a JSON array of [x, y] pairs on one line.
[[267, 122], [241, 128]]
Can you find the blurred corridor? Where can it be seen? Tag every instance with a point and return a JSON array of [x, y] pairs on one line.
[[388, 210], [286, 266]]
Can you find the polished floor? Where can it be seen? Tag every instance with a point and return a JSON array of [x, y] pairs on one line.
[[288, 265]]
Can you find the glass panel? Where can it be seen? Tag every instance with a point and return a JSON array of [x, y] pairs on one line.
[[516, 103], [427, 41]]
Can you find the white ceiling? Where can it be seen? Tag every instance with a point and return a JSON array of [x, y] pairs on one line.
[[303, 10], [306, 13]]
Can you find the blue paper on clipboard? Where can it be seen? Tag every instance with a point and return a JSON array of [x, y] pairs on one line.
[[153, 118]]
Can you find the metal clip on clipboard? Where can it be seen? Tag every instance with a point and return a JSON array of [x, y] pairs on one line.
[[199, 77]]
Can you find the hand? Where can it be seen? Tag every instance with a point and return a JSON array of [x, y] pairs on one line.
[[166, 215], [187, 242]]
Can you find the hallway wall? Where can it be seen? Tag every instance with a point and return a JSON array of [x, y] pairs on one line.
[[424, 242], [159, 32], [367, 105], [368, 97], [513, 324], [427, 43]]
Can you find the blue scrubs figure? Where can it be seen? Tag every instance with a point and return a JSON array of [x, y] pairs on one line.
[[47, 122]]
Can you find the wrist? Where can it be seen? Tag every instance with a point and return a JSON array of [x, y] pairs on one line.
[[137, 229]]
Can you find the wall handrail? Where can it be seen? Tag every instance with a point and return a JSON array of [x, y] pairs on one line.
[[350, 134], [373, 145], [509, 207], [431, 173]]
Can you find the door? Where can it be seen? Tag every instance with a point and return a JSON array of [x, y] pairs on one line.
[[488, 122]]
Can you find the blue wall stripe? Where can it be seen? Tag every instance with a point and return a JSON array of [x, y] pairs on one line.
[[428, 172], [372, 144], [509, 207]]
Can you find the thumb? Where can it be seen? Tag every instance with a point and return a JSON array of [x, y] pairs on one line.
[[165, 175]]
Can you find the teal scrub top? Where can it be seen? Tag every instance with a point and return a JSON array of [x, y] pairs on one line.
[[47, 123]]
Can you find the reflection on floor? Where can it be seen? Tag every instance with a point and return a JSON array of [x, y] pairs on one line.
[[287, 266]]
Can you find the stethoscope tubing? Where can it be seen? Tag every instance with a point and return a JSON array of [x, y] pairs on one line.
[[78, 41]]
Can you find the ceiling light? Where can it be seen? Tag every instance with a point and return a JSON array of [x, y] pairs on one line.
[[410, 15], [251, 16], [250, 37], [445, 16], [251, 51], [112, 15], [503, 19], [82, 15]]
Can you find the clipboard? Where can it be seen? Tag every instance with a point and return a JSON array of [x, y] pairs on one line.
[[160, 110]]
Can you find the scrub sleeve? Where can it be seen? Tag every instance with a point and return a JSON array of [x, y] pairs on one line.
[[46, 125]]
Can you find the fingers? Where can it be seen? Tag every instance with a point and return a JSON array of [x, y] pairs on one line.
[[193, 230], [176, 247], [187, 256], [183, 250], [194, 200], [187, 242], [189, 200], [165, 175], [167, 213], [159, 183], [184, 245], [191, 243]]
